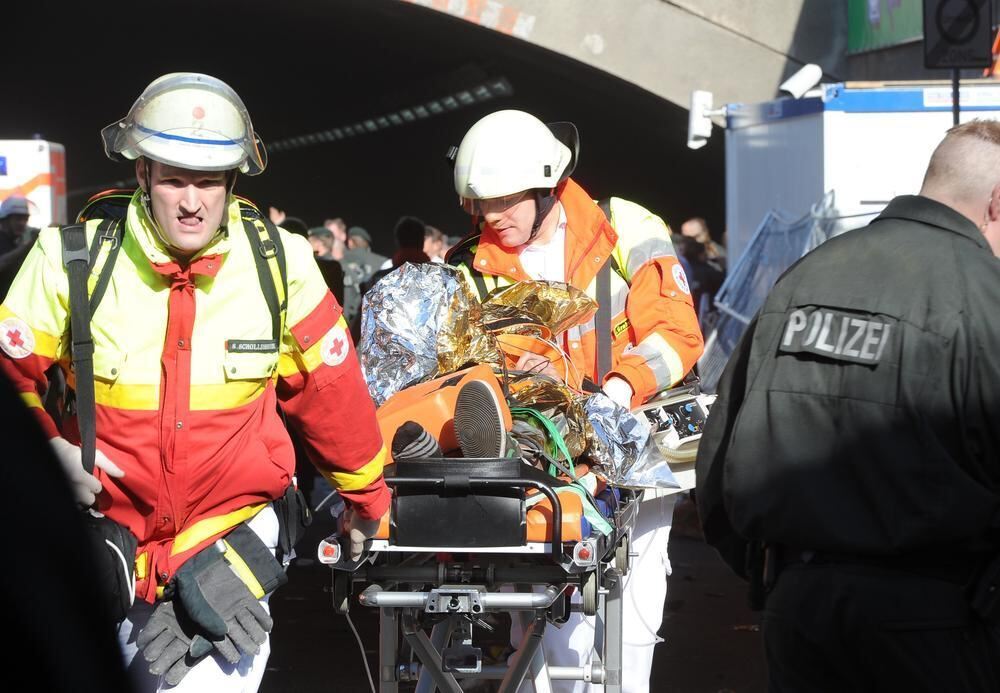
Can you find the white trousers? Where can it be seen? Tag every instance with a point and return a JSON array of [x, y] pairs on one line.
[[644, 594], [212, 674]]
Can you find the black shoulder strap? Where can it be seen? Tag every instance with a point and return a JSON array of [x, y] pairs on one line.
[[79, 262], [76, 258], [109, 235], [602, 321], [268, 251]]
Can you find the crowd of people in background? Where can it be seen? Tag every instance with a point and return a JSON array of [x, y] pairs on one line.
[[351, 266]]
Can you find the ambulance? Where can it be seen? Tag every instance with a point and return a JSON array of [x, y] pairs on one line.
[[35, 169]]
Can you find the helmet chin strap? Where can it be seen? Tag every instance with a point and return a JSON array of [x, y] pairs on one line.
[[545, 199]]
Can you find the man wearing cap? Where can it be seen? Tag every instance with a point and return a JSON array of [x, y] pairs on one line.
[[209, 318], [360, 263], [14, 230], [16, 238]]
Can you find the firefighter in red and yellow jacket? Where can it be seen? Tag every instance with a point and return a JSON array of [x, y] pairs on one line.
[[512, 172], [194, 348]]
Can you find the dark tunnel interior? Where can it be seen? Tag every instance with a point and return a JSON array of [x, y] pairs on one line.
[[304, 67]]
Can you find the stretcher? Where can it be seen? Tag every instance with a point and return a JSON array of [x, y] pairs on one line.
[[468, 537]]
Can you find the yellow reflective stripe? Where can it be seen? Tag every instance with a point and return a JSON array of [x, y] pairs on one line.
[[242, 570], [202, 398], [31, 399], [121, 396], [360, 478], [287, 366], [141, 566], [45, 344], [227, 395], [210, 526]]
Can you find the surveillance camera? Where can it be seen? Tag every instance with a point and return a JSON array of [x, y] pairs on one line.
[[699, 124], [802, 81]]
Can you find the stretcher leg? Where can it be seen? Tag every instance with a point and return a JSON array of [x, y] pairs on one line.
[[428, 656], [612, 632], [440, 635], [530, 644], [540, 674], [388, 650]]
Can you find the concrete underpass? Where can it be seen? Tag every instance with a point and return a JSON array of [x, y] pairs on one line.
[[621, 71]]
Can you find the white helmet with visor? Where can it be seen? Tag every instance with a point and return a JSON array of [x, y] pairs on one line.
[[191, 121], [509, 152]]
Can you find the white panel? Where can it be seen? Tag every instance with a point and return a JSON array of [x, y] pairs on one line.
[[873, 157]]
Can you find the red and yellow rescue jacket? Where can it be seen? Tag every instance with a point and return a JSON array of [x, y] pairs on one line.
[[187, 380], [655, 335]]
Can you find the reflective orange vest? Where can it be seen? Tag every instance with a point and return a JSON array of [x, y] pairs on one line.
[[655, 335]]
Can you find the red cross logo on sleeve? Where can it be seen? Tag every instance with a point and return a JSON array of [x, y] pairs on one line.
[[338, 346], [335, 346], [16, 338]]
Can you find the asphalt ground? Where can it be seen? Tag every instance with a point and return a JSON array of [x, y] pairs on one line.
[[712, 640]]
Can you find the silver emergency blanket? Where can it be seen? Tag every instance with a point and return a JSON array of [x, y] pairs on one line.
[[623, 447], [419, 322]]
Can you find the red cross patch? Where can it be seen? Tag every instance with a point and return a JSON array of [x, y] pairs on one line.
[[680, 279], [335, 346], [16, 338]]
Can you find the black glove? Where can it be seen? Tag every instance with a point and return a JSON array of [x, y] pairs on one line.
[[221, 605], [170, 648]]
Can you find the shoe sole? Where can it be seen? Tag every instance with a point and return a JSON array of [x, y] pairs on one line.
[[479, 421]]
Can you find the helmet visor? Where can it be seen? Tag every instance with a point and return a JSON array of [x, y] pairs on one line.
[[479, 208]]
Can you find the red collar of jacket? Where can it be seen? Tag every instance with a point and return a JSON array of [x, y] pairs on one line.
[[207, 265], [590, 238]]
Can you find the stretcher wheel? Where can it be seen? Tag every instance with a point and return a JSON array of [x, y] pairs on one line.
[[621, 555], [588, 593], [341, 591]]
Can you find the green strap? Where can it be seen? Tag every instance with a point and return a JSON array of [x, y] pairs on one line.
[[553, 433]]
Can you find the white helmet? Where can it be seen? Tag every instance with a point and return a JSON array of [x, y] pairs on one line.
[[508, 152], [188, 120]]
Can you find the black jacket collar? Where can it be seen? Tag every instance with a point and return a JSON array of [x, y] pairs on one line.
[[934, 213]]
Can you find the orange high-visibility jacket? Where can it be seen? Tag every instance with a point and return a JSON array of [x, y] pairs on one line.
[[655, 335], [187, 379]]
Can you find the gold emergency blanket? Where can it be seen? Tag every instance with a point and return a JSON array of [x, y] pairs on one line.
[[560, 404], [557, 304]]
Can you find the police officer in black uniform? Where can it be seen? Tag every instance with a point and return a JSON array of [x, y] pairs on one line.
[[851, 466]]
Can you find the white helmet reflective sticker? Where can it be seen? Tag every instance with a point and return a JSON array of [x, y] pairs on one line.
[[335, 346], [16, 338], [680, 279]]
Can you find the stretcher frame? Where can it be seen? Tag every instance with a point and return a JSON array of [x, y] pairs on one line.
[[416, 590]]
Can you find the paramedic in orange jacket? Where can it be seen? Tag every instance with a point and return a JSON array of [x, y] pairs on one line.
[[512, 173], [190, 363]]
